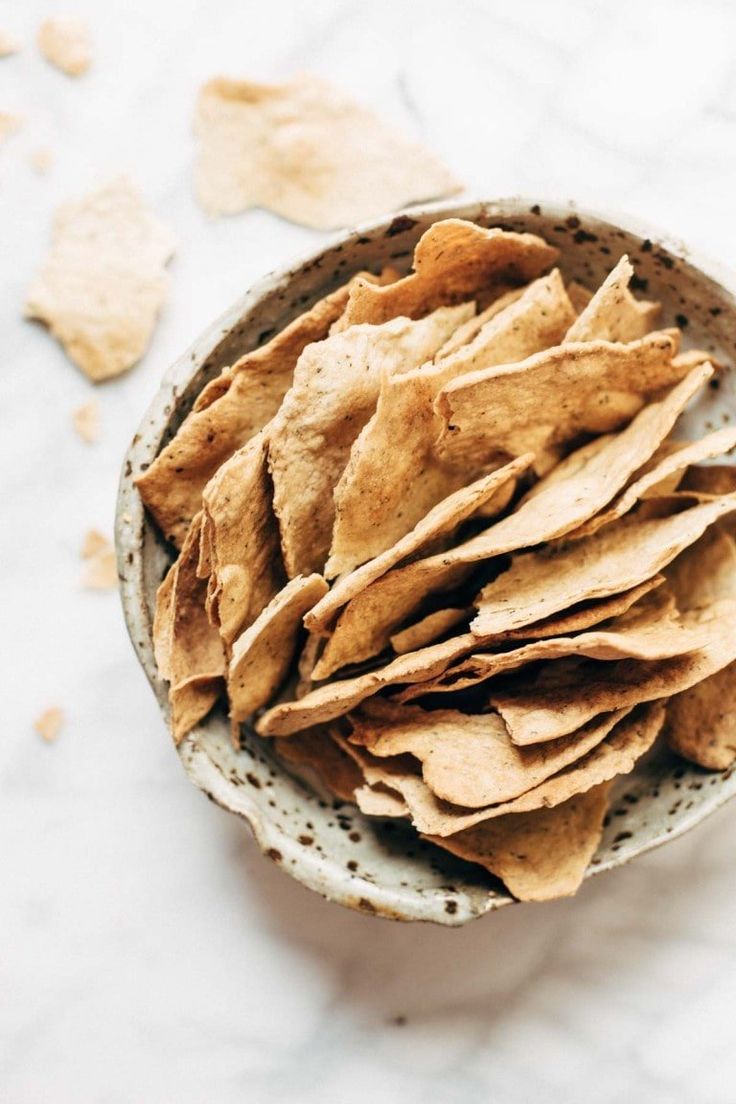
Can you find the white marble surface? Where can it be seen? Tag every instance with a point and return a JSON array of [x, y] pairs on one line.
[[147, 952]]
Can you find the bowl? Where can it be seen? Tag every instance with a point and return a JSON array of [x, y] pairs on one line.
[[381, 867]]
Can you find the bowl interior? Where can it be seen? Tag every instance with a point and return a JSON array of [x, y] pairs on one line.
[[380, 866]]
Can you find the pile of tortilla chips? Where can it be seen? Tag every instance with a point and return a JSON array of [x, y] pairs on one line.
[[442, 539]]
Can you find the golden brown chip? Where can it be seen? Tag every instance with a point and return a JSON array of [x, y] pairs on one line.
[[454, 260], [101, 572], [103, 283], [469, 760], [48, 725], [554, 396], [620, 556], [227, 414], [65, 42], [380, 801], [187, 647], [538, 855], [334, 393], [715, 479], [427, 629], [86, 422], [440, 521], [701, 721], [613, 314], [385, 490], [263, 653], [307, 152], [245, 569], [316, 751]]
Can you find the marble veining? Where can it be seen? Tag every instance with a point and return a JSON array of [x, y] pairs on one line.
[[149, 952]]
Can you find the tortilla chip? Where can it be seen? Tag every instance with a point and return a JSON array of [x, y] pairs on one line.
[[334, 393], [372, 505], [262, 655], [227, 414], [454, 260], [715, 479], [48, 725], [620, 556], [469, 760], [316, 751], [86, 422], [655, 480], [242, 540], [613, 314], [469, 330], [427, 629], [539, 855], [188, 649], [307, 152], [701, 721], [579, 295], [65, 42], [441, 520], [576, 489], [380, 802], [103, 284], [101, 572], [9, 44], [554, 396]]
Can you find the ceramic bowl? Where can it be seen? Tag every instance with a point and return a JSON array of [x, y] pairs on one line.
[[375, 866]]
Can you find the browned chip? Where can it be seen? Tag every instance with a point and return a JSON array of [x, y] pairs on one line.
[[441, 520], [308, 152], [316, 751], [334, 393], [701, 721], [374, 506], [469, 760], [715, 479], [48, 725], [427, 629], [380, 801], [262, 655], [101, 572], [620, 556], [188, 649], [553, 396], [86, 422], [613, 314], [103, 284], [228, 412], [245, 569], [65, 42], [454, 260], [538, 855]]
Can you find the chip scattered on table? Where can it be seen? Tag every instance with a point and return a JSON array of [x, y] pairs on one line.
[[86, 421], [442, 538], [101, 572], [48, 725], [66, 43]]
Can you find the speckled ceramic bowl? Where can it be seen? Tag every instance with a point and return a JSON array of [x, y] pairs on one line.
[[381, 867]]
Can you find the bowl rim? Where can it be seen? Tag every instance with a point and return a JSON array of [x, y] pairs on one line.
[[131, 519]]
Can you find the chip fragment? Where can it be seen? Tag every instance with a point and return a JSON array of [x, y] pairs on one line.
[[48, 724], [65, 42]]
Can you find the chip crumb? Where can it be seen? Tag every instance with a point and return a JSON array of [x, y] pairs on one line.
[[41, 159], [48, 725], [65, 42], [86, 421], [101, 572], [9, 44], [103, 281], [9, 124]]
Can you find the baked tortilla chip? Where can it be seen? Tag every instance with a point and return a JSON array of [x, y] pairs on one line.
[[316, 751], [440, 521], [613, 314], [701, 721], [334, 393], [307, 152], [617, 558], [243, 549], [263, 653], [380, 801], [227, 414], [373, 509], [103, 284], [539, 855], [427, 629], [469, 759], [715, 479], [554, 396], [454, 260], [188, 649], [65, 43], [469, 330]]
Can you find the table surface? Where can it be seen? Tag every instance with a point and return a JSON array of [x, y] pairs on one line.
[[149, 953]]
